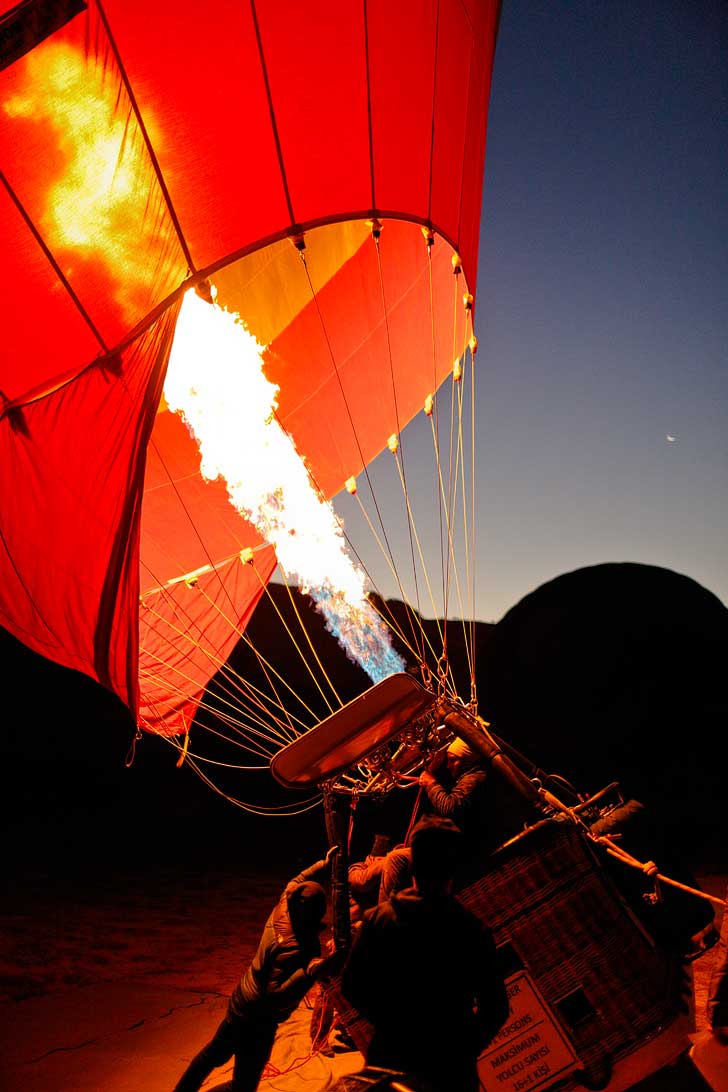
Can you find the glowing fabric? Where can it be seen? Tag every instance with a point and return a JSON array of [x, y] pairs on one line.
[[144, 144]]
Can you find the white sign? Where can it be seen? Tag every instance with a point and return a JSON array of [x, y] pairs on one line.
[[530, 1050]]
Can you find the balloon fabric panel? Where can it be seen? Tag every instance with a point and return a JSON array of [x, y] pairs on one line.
[[175, 143]]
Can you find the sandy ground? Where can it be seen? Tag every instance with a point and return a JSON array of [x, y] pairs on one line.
[[124, 931], [191, 931], [161, 942], [112, 983], [188, 930]]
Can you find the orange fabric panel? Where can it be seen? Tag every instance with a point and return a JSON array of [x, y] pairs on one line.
[[402, 68], [197, 75], [43, 333], [485, 22], [269, 287], [174, 670], [76, 160], [317, 76], [127, 208], [341, 418], [69, 511], [186, 522], [456, 54]]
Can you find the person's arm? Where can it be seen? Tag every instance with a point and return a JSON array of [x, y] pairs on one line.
[[288, 991], [325, 966], [365, 877], [292, 989], [457, 804], [314, 871]]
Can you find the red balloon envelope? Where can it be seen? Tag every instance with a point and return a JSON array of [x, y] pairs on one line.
[[143, 149]]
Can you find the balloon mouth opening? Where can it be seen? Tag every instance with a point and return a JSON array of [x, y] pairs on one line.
[[330, 337]]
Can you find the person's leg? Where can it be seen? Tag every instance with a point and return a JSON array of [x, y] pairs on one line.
[[252, 1051], [218, 1051]]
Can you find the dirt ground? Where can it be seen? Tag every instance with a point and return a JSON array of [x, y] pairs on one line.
[[189, 930], [180, 932], [183, 928]]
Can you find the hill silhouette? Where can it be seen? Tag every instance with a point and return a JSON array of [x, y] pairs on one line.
[[612, 672], [617, 672]]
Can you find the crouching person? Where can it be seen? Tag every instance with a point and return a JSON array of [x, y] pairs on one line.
[[285, 966]]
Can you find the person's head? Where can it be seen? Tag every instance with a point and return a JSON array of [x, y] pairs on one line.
[[460, 758], [436, 846], [306, 909], [380, 846]]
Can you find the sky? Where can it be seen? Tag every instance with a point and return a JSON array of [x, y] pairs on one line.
[[601, 310]]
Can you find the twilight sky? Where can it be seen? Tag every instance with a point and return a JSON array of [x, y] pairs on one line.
[[601, 312]]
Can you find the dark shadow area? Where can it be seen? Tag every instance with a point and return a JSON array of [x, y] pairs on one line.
[[617, 672]]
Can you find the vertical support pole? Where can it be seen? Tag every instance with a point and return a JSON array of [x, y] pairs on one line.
[[337, 811]]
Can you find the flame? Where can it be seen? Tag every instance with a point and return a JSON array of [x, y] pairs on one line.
[[215, 382], [99, 206]]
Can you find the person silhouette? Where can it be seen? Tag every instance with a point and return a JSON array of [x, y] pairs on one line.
[[285, 966], [423, 972]]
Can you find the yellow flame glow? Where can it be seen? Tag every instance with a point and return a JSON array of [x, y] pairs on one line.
[[215, 381], [100, 206]]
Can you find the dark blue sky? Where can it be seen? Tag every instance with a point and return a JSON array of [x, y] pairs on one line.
[[601, 311]]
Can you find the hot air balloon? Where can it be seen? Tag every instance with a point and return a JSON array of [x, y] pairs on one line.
[[239, 257], [313, 170]]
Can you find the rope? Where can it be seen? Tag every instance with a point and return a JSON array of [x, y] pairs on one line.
[[313, 652], [400, 464], [267, 667], [249, 726], [471, 644], [413, 817], [216, 661], [460, 462], [452, 478], [387, 555], [650, 869], [434, 416], [269, 728], [347, 407], [254, 695], [414, 535]]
